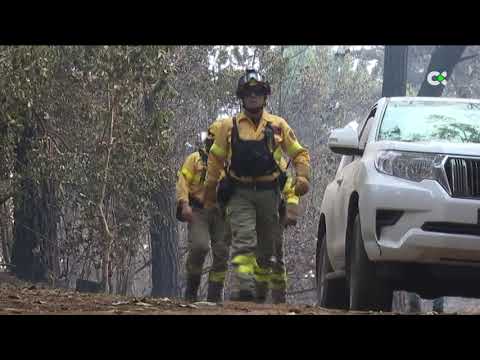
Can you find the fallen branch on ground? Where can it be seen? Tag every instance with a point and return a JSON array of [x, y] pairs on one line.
[[7, 265], [301, 291]]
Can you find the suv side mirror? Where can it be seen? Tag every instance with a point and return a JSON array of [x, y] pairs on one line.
[[344, 141]]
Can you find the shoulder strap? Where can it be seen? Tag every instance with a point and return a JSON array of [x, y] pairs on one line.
[[233, 138], [269, 136], [203, 156], [288, 164], [235, 135]]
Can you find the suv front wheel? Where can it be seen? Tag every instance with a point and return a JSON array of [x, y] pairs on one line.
[[366, 290], [331, 294]]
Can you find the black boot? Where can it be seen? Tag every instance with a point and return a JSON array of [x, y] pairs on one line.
[[242, 295], [243, 286], [278, 296], [215, 292], [191, 292], [261, 292]]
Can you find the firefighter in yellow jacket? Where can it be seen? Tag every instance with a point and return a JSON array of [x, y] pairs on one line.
[[205, 226], [249, 146]]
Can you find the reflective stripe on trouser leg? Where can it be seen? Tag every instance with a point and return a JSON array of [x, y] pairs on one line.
[[245, 264], [217, 276], [262, 274], [243, 276], [278, 281]]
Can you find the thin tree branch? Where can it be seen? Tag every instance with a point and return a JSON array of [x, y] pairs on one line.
[[101, 200], [105, 177], [159, 85], [468, 57], [7, 197], [7, 265], [142, 267]]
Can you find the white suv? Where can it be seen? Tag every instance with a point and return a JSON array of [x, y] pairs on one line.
[[403, 212]]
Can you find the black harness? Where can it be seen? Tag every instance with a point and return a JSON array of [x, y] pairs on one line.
[[253, 157], [250, 158]]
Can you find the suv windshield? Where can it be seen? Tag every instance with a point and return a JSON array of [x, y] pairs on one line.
[[419, 121]]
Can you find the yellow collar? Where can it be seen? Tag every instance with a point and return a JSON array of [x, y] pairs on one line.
[[263, 119]]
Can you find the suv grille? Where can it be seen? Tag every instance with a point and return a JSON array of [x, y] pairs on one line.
[[452, 228], [463, 176]]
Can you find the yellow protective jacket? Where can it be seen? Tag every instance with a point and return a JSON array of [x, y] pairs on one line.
[[191, 178], [285, 143]]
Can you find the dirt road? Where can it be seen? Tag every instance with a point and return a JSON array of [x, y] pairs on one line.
[[17, 297]]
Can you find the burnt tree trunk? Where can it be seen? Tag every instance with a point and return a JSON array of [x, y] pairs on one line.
[[164, 244], [5, 232], [35, 248], [444, 58], [6, 194], [163, 224], [395, 71]]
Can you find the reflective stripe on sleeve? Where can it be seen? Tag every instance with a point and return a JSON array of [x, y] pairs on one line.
[[218, 151], [293, 149], [188, 175], [293, 200], [277, 155]]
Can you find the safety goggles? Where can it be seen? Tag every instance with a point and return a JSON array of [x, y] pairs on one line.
[[254, 90]]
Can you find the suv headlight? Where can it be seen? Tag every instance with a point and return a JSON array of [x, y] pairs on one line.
[[412, 166]]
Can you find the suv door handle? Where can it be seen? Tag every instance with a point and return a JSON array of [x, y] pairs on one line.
[[339, 181]]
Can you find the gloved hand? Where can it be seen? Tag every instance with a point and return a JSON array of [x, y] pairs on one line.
[[301, 186], [291, 214], [210, 196], [187, 213]]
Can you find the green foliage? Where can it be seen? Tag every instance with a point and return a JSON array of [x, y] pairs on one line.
[[64, 97]]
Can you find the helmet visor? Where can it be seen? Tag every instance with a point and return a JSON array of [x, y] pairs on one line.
[[253, 78]]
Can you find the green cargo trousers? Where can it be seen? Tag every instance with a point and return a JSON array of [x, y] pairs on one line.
[[207, 230], [254, 220]]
